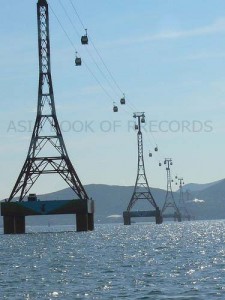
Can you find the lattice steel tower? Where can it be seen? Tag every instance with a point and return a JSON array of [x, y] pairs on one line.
[[170, 208], [182, 207], [47, 153], [141, 189]]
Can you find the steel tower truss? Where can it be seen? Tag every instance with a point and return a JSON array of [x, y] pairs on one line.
[[141, 189], [47, 152], [169, 200], [182, 207]]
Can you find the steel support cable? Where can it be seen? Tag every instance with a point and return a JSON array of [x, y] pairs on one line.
[[159, 153], [89, 53], [129, 103], [86, 65], [110, 73], [132, 107], [160, 157], [69, 39], [73, 45], [153, 156]]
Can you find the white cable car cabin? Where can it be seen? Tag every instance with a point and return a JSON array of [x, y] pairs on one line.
[[84, 39]]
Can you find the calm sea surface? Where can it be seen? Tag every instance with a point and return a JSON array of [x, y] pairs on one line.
[[168, 261]]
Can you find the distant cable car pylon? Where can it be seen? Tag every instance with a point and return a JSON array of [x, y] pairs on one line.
[[170, 209], [182, 207], [141, 189]]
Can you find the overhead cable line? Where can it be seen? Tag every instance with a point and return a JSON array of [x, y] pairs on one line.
[[101, 59], [132, 107], [73, 45], [86, 48]]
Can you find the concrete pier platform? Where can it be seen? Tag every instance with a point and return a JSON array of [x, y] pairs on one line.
[[14, 213], [127, 215]]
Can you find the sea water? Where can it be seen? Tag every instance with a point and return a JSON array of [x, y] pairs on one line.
[[142, 261]]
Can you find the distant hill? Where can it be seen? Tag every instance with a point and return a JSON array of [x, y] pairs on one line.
[[213, 206], [109, 200], [195, 187], [112, 200]]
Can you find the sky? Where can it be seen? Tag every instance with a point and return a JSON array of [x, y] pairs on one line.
[[167, 56]]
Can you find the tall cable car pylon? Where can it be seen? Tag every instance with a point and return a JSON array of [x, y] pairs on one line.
[[141, 189], [170, 208], [47, 152]]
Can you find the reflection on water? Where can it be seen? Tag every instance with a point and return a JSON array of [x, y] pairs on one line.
[[169, 261]]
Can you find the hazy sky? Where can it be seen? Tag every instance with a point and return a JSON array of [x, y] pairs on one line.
[[168, 56]]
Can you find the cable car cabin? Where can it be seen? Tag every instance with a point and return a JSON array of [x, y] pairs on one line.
[[160, 164], [84, 39], [156, 148], [32, 197], [78, 61], [150, 154], [115, 108], [136, 127], [122, 101], [142, 119], [171, 163]]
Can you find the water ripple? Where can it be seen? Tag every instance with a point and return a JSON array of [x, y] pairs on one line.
[[169, 261]]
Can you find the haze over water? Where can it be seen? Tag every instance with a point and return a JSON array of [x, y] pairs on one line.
[[169, 261]]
